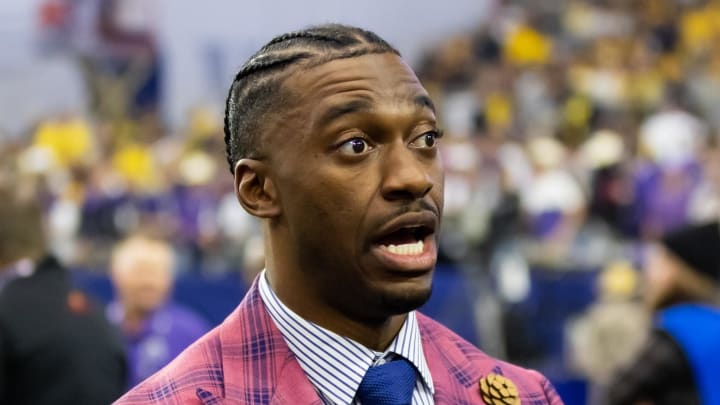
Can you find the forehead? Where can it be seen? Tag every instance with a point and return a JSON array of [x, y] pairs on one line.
[[138, 256], [376, 78]]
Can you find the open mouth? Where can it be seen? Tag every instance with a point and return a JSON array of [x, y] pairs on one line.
[[406, 244], [406, 241]]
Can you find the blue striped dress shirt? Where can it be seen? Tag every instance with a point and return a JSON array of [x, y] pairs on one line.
[[336, 365]]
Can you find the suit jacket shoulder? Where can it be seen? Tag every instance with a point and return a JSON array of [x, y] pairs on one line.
[[457, 367]]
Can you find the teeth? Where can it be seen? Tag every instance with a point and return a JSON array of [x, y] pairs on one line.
[[406, 249]]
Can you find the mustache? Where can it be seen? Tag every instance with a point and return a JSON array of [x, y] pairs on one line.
[[415, 206]]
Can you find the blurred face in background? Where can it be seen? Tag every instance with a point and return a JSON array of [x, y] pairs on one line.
[[668, 281], [661, 277], [141, 270]]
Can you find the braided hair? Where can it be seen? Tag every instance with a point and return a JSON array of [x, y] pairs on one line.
[[256, 90]]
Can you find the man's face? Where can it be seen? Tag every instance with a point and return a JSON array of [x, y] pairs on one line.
[[143, 276], [360, 185]]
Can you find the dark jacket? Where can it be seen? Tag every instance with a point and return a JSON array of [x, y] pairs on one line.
[[660, 374], [56, 347]]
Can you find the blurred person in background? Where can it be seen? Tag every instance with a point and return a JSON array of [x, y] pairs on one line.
[[680, 362], [332, 142], [610, 332], [116, 47], [671, 140], [155, 329], [56, 347]]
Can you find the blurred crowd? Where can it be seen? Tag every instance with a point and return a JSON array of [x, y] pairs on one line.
[[577, 133], [588, 118], [575, 124], [115, 169], [101, 181]]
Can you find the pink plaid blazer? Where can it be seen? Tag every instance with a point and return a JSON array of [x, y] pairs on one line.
[[246, 361]]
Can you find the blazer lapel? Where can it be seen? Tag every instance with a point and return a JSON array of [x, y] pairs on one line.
[[258, 366], [293, 386]]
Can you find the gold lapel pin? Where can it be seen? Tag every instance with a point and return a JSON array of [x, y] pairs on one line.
[[498, 390]]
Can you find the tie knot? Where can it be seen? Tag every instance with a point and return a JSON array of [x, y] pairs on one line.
[[391, 383]]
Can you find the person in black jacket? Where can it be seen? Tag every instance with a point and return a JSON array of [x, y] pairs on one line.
[[55, 346], [680, 361]]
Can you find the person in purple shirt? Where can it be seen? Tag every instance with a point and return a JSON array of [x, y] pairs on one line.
[[662, 196], [155, 329]]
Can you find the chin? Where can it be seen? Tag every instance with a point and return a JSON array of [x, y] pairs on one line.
[[397, 302]]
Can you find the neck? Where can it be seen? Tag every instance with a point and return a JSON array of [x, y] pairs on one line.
[[375, 334], [284, 277], [133, 319]]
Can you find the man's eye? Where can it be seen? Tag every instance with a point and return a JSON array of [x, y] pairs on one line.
[[355, 146], [428, 140]]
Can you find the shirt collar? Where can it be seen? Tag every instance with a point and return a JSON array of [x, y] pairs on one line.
[[336, 364]]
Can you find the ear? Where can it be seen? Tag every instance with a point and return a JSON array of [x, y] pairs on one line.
[[255, 190]]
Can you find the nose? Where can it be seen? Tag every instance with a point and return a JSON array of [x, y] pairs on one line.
[[406, 175]]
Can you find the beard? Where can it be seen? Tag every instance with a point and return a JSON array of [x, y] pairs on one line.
[[401, 302]]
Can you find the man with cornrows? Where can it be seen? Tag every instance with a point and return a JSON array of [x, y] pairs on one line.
[[332, 142]]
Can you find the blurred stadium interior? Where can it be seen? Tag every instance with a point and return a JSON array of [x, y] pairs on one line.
[[577, 132]]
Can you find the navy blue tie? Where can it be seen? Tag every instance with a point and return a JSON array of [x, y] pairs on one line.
[[391, 383]]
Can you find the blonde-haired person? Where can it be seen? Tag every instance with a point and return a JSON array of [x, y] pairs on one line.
[[155, 328]]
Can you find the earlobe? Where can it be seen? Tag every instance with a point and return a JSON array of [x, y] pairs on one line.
[[255, 191]]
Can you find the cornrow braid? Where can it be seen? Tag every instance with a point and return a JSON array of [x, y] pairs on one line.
[[247, 101], [308, 34], [256, 91]]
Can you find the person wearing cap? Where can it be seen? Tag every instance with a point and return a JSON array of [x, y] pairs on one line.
[[680, 361]]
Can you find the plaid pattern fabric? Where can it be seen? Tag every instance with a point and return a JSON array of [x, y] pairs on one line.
[[245, 361], [457, 367]]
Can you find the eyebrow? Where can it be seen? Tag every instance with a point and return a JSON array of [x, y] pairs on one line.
[[424, 101], [354, 106], [364, 105]]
